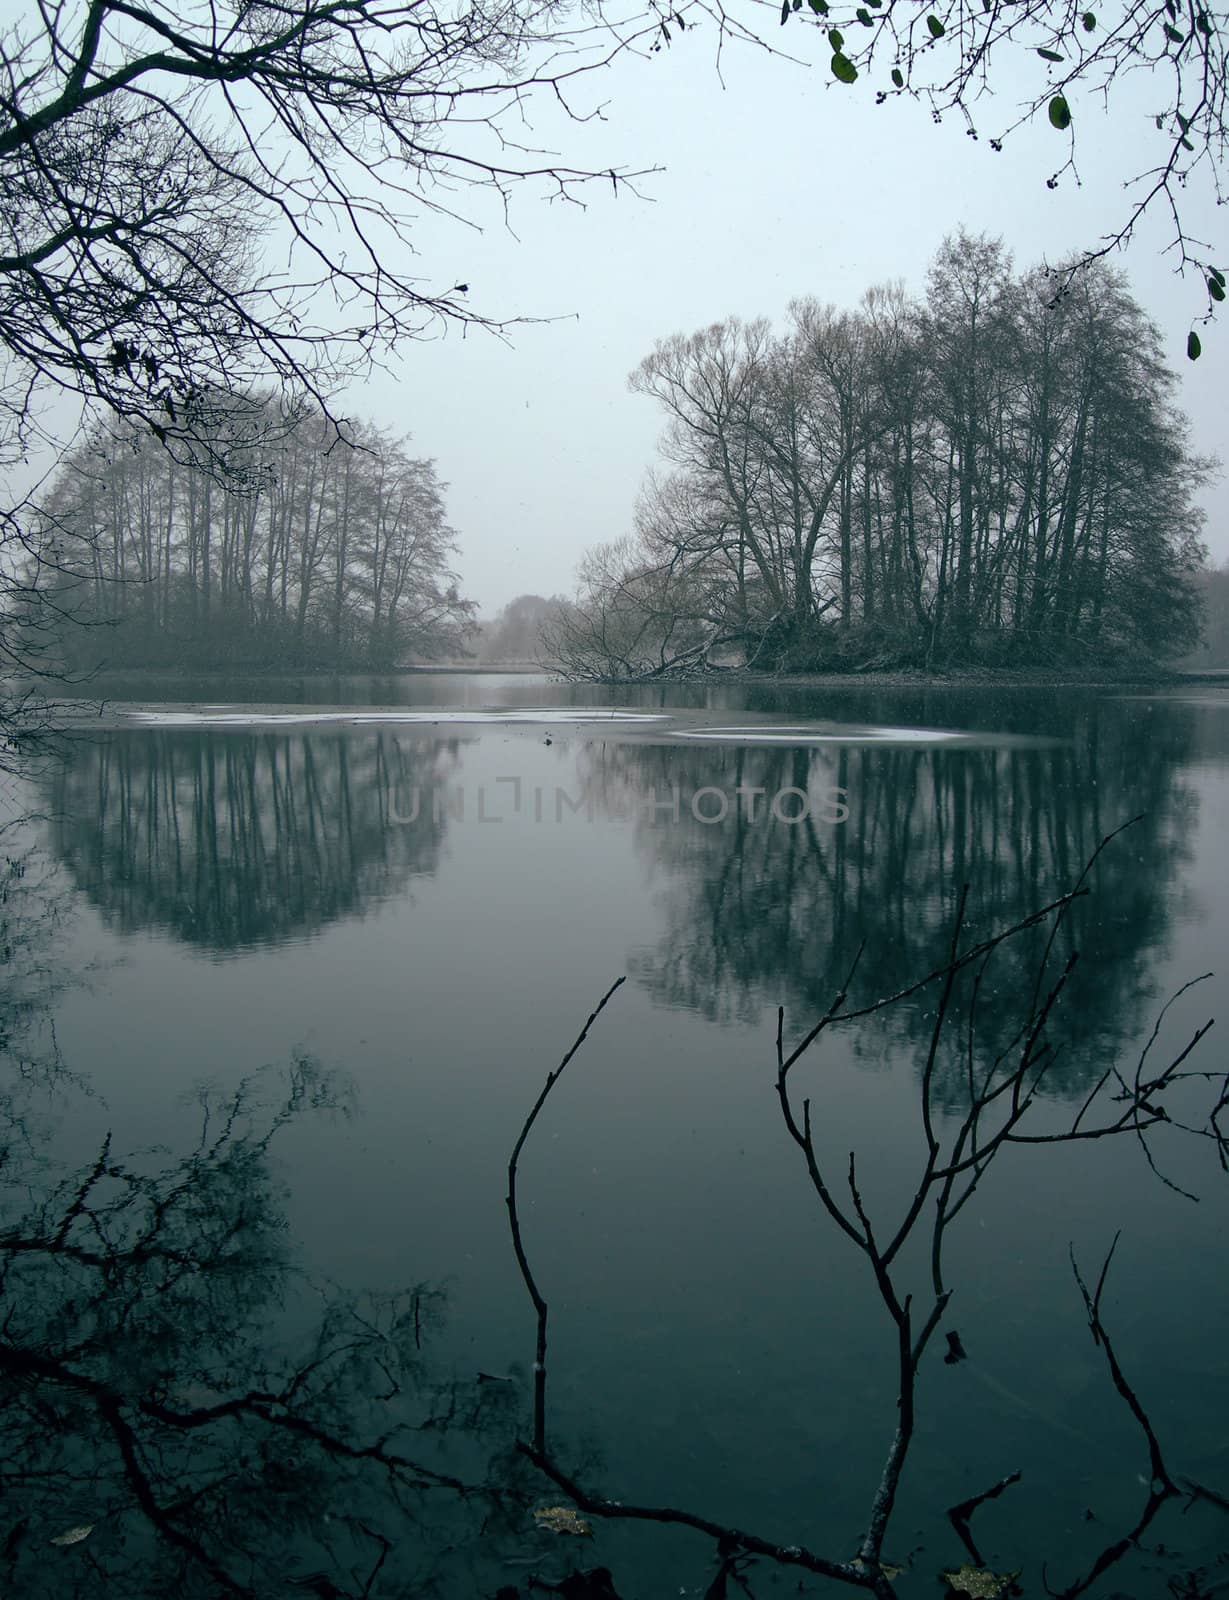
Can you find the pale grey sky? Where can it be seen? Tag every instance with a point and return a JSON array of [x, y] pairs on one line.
[[776, 183]]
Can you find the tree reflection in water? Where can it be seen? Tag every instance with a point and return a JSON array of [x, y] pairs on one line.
[[182, 1411], [158, 1381], [760, 912], [32, 915], [248, 838]]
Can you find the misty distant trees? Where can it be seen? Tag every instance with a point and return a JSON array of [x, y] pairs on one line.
[[315, 550], [1213, 650], [983, 476], [515, 633]]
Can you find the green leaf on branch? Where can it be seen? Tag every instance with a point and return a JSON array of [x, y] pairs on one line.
[[1060, 113], [1215, 272], [1193, 347], [836, 39], [977, 1583], [784, 12], [1089, 21], [843, 68], [936, 27], [1174, 35], [562, 1519], [887, 1569], [898, 77], [1049, 55], [1216, 290], [819, 7], [864, 17]]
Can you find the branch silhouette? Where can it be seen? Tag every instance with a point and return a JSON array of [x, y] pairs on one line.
[[1003, 1097]]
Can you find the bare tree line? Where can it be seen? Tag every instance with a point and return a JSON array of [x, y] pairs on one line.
[[315, 550], [982, 475], [1213, 649], [214, 196]]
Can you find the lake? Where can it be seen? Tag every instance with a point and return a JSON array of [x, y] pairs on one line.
[[288, 964]]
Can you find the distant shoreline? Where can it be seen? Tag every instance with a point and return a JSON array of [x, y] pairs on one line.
[[954, 678], [223, 671], [989, 678]]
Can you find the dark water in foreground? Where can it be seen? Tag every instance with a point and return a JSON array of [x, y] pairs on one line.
[[241, 1340]]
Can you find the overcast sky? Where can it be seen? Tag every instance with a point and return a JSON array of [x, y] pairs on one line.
[[775, 184]]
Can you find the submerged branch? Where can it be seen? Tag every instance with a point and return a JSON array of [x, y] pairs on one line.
[[514, 1221]]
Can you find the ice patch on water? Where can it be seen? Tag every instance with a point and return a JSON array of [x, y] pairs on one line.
[[205, 718], [812, 735]]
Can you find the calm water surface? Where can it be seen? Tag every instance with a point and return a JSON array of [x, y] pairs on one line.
[[422, 886]]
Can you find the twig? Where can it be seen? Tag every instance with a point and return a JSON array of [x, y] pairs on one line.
[[1161, 1486], [960, 1515], [539, 1304]]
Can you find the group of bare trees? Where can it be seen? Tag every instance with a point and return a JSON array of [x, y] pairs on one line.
[[514, 634], [981, 475], [314, 550]]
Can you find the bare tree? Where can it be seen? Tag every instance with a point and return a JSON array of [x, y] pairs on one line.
[[1002, 1105], [159, 160], [636, 618]]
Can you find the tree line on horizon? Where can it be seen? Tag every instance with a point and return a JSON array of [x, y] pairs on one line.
[[987, 475], [315, 548], [982, 477], [1213, 648]]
